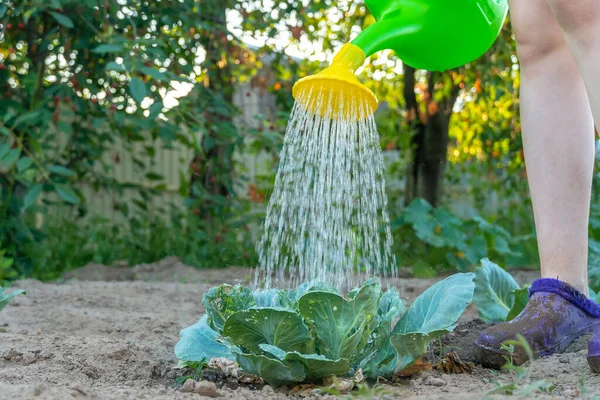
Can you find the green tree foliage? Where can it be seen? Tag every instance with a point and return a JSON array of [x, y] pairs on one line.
[[79, 78]]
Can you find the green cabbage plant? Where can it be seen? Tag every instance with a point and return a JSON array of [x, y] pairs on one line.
[[312, 332]]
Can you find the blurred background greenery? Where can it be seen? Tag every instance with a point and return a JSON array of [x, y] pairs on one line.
[[133, 130]]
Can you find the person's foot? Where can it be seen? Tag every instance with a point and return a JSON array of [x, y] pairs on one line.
[[555, 315]]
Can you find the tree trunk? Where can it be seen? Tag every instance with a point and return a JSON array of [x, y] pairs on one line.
[[429, 144], [416, 143], [435, 149]]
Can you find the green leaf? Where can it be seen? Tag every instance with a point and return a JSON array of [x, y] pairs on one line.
[[4, 298], [108, 48], [60, 170], [289, 298], [273, 371], [32, 196], [199, 342], [153, 176], [62, 19], [342, 327], [391, 306], [3, 9], [494, 288], [10, 158], [318, 366], [67, 194], [154, 73], [113, 66], [27, 14], [225, 300], [593, 295], [24, 163], [4, 149], [266, 298], [594, 264], [273, 351], [282, 328], [155, 109], [137, 89], [431, 315], [521, 297], [26, 118]]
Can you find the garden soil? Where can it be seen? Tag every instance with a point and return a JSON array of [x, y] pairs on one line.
[[108, 333]]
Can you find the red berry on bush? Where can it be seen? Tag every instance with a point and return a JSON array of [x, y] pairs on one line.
[[197, 211], [11, 50], [67, 99], [247, 94], [9, 26], [113, 107], [94, 100], [57, 99], [74, 107], [21, 25], [217, 238], [2, 66]]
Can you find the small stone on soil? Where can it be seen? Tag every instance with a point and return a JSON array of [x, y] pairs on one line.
[[435, 381], [206, 388], [38, 389], [188, 386], [267, 389]]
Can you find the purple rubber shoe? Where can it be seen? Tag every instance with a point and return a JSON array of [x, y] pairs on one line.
[[555, 315]]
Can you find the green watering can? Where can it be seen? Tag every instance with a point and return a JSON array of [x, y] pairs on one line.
[[435, 35]]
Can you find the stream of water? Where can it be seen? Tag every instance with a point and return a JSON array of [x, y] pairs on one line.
[[327, 217]]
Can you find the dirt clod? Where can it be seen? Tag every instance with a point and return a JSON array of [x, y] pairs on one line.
[[452, 364], [188, 386], [432, 381], [39, 389], [206, 388]]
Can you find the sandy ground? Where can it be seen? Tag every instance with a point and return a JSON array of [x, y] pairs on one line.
[[108, 333]]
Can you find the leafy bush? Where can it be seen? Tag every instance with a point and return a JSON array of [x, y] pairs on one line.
[[448, 240], [312, 332], [72, 243]]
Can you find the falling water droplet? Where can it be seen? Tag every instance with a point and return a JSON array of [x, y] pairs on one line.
[[327, 218]]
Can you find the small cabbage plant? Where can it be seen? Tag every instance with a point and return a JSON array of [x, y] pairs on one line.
[[312, 332]]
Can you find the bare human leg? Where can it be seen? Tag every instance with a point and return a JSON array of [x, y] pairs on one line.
[[558, 139]]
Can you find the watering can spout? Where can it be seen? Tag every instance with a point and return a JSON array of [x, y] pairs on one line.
[[435, 35], [336, 92]]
